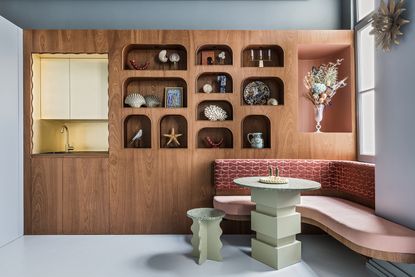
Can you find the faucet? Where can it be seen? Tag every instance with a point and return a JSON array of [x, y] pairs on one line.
[[68, 147]]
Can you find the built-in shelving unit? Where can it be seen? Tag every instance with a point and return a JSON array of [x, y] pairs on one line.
[[207, 136], [338, 115], [134, 123]]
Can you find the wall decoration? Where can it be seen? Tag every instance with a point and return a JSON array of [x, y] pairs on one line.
[[215, 113], [133, 65], [208, 57], [173, 97], [272, 102], [256, 93], [207, 88], [137, 137], [256, 140], [174, 58], [172, 136], [386, 23], [322, 85], [213, 144], [135, 100], [222, 83], [152, 101], [163, 56]]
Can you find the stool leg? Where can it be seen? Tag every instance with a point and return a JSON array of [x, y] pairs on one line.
[[199, 240], [214, 244]]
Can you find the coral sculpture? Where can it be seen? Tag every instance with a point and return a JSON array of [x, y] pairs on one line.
[[215, 113]]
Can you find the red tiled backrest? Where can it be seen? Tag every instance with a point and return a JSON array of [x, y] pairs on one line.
[[351, 180]]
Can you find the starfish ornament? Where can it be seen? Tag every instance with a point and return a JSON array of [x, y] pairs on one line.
[[172, 137]]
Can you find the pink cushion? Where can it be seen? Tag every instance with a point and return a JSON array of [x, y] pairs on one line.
[[234, 205], [358, 224]]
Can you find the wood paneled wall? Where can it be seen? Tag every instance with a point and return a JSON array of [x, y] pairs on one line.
[[150, 190]]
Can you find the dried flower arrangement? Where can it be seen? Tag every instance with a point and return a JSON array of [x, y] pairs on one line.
[[322, 83]]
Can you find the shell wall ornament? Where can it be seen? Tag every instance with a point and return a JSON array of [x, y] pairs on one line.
[[215, 113], [135, 100], [386, 23]]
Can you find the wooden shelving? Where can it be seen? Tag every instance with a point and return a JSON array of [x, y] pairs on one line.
[[179, 124], [256, 124], [337, 116], [142, 53], [275, 84], [215, 135], [272, 56], [154, 86], [227, 106], [210, 55], [211, 78], [134, 123]]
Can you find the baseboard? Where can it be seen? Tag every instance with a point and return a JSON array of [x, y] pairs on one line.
[[386, 269]]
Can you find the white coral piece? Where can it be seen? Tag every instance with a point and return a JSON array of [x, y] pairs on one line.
[[215, 113], [135, 100]]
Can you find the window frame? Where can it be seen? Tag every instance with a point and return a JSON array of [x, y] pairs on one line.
[[358, 26]]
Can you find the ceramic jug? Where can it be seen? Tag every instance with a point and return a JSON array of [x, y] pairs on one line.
[[256, 140]]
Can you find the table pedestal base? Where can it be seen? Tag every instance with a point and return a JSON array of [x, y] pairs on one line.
[[276, 223], [206, 240]]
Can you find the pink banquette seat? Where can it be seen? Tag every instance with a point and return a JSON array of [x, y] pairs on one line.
[[343, 207]]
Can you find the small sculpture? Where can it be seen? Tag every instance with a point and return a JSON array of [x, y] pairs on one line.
[[207, 88], [215, 113], [174, 58], [172, 138], [152, 101], [143, 66], [135, 100], [272, 102], [137, 137], [213, 144], [221, 57], [163, 56], [222, 83]]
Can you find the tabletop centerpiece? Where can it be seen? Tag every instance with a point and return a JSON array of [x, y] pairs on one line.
[[273, 179], [322, 84]]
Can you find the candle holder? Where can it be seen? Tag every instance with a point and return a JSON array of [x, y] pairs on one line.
[[260, 57]]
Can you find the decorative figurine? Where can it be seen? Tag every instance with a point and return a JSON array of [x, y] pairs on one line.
[[163, 56], [213, 144], [207, 88], [222, 83], [174, 58], [221, 57], [137, 137], [172, 138]]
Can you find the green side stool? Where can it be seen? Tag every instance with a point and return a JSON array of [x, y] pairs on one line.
[[206, 233]]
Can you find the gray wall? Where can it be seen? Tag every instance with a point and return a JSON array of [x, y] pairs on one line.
[[11, 138], [112, 14], [395, 128]]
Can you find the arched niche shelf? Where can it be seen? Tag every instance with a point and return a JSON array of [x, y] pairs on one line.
[[179, 124], [272, 56], [256, 124], [209, 55], [153, 86], [132, 124], [214, 79], [215, 135], [275, 84], [142, 53], [221, 103]]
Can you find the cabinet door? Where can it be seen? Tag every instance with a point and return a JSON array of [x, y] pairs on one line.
[[54, 82], [85, 196], [89, 88], [46, 195]]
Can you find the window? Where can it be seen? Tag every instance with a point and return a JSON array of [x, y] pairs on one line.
[[365, 45]]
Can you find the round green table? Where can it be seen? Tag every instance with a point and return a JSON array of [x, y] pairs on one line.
[[275, 220]]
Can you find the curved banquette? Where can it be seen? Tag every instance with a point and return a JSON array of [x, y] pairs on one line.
[[343, 207]]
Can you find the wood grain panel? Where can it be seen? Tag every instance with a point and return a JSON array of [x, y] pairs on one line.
[[46, 194], [85, 196]]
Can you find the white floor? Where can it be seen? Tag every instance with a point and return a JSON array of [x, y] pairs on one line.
[[164, 255]]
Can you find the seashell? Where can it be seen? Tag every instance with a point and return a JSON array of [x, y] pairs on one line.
[[272, 102], [152, 101], [214, 113], [135, 100], [174, 58], [163, 56], [207, 88]]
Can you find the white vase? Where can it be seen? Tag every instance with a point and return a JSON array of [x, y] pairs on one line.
[[318, 116]]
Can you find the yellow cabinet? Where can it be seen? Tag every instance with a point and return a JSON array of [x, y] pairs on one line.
[[74, 87], [54, 79]]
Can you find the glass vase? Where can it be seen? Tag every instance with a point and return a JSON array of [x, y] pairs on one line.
[[318, 116]]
